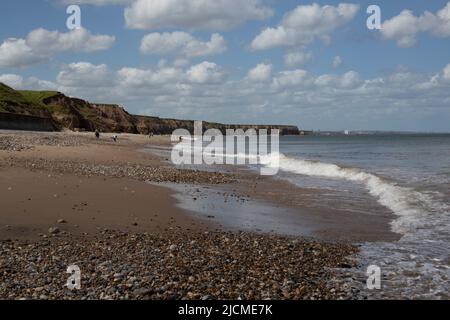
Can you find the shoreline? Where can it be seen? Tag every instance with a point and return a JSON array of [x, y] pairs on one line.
[[84, 190], [259, 200]]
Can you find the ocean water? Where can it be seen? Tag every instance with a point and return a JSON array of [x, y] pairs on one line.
[[407, 174]]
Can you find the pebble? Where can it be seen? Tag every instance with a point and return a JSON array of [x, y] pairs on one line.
[[211, 265], [54, 230]]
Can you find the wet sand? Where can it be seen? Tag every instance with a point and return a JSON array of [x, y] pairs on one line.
[[97, 184], [269, 205], [67, 197], [33, 202], [42, 184]]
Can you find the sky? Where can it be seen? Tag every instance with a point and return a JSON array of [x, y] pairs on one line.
[[312, 64]]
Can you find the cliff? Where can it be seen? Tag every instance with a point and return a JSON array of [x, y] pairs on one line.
[[64, 112]]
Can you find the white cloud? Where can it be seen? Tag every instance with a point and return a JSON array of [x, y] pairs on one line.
[[292, 78], [31, 83], [350, 80], [262, 72], [405, 27], [337, 62], [97, 2], [41, 44], [289, 96], [205, 72], [297, 59], [194, 14], [446, 72], [182, 44], [83, 74], [180, 62], [304, 24], [138, 78], [12, 80], [16, 53]]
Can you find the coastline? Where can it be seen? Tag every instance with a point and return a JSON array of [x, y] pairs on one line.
[[68, 188]]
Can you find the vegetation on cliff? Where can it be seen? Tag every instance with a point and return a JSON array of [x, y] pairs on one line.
[[77, 114]]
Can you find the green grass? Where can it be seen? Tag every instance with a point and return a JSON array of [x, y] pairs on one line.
[[24, 101], [11, 96], [57, 109], [37, 97]]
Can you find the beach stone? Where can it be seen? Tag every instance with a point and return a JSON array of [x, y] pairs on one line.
[[141, 292], [54, 230]]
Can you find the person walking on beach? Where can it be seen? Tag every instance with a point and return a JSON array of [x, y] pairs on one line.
[[114, 137], [97, 134]]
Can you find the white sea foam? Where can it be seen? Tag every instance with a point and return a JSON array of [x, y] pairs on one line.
[[418, 265], [411, 207]]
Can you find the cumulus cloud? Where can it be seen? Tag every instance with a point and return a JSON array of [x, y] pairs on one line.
[[297, 59], [337, 62], [287, 96], [446, 72], [182, 44], [292, 78], [194, 14], [140, 78], [205, 72], [83, 74], [304, 24], [262, 72], [18, 82], [97, 2], [41, 44], [405, 27]]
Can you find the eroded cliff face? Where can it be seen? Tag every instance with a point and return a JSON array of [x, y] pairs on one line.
[[115, 118], [80, 115], [70, 113], [77, 114]]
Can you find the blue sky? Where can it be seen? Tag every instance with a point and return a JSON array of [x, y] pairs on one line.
[[313, 64]]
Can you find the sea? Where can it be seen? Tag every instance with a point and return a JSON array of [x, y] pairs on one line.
[[406, 174]]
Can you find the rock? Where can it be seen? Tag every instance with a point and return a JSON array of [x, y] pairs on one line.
[[174, 265], [54, 230], [345, 265], [142, 292], [61, 221]]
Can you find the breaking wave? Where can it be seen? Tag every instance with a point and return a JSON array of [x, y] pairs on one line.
[[409, 205]]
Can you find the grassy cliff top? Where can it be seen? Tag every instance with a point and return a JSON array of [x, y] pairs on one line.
[[16, 101], [37, 97], [10, 96]]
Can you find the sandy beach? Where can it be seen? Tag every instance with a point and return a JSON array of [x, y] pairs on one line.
[[69, 198]]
